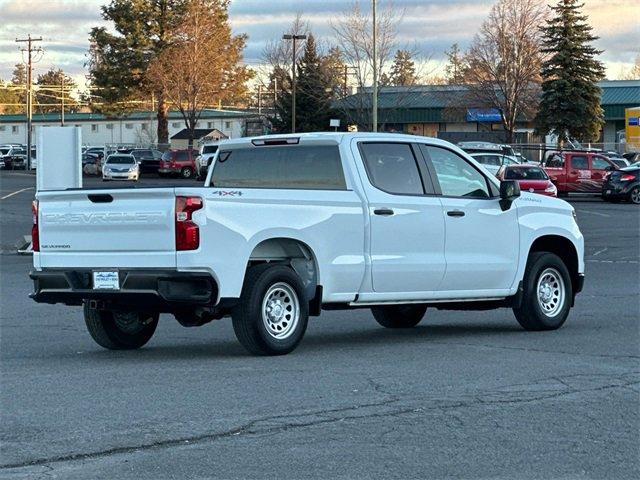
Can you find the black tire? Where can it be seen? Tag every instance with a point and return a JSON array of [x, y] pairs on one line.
[[634, 195], [186, 172], [248, 324], [399, 316], [122, 333], [531, 315]]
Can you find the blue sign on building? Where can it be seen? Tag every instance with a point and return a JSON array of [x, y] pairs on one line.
[[492, 115], [633, 121]]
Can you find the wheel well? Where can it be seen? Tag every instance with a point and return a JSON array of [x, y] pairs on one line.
[[298, 255], [563, 248]]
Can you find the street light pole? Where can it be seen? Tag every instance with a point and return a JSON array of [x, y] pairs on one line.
[[374, 103], [293, 81]]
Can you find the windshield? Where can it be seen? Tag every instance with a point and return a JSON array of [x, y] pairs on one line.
[[209, 149], [120, 160], [533, 173]]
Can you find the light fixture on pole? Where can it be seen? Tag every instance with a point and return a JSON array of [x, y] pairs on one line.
[[293, 75]]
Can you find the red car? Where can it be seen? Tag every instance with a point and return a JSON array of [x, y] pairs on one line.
[[530, 178], [578, 171], [178, 162]]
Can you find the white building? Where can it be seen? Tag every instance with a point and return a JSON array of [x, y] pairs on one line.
[[135, 128]]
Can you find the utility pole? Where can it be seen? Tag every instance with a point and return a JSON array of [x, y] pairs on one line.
[[30, 49], [62, 101], [374, 103], [293, 82]]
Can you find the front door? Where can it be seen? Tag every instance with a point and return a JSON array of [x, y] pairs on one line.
[[407, 227], [482, 242]]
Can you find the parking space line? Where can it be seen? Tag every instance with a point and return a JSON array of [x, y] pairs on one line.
[[600, 251], [594, 213], [16, 192]]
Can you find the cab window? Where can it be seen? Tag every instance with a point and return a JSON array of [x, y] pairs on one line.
[[579, 162], [457, 178], [599, 163], [391, 167]]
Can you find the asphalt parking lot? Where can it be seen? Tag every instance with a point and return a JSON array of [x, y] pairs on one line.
[[463, 395]]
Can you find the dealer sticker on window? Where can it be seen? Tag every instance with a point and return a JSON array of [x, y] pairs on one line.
[[106, 281]]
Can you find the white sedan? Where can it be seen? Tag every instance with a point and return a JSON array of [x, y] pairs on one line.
[[493, 161], [121, 167]]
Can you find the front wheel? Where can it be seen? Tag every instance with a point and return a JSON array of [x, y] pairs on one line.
[[399, 316], [548, 293], [119, 330], [273, 311]]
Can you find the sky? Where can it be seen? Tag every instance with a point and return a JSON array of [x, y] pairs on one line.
[[431, 26]]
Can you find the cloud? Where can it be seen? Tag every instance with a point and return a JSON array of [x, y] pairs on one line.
[[430, 25]]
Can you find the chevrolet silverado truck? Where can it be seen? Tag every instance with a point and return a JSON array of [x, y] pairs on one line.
[[287, 226]]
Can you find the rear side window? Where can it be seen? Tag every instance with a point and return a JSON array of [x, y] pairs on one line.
[[301, 167], [391, 167], [579, 162], [182, 156]]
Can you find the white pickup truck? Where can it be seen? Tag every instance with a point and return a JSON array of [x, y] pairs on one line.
[[287, 226]]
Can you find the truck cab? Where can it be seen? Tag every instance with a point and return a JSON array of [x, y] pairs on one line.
[[577, 171]]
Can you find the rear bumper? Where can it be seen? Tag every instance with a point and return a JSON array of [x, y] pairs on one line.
[[157, 290]]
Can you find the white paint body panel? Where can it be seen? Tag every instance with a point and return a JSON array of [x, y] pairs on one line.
[[418, 254]]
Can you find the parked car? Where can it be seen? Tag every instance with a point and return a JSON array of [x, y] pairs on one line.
[[121, 167], [148, 158], [530, 178], [632, 157], [577, 171], [619, 161], [207, 152], [99, 151], [91, 164], [13, 155], [178, 162], [292, 225], [488, 147], [493, 161], [623, 184]]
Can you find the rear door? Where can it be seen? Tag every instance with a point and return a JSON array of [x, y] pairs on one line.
[[407, 227], [107, 228]]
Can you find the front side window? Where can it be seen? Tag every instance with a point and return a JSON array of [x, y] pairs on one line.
[[182, 156], [579, 162], [457, 178], [391, 167], [315, 167], [599, 163]]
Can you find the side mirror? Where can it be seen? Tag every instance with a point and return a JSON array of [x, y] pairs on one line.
[[509, 191]]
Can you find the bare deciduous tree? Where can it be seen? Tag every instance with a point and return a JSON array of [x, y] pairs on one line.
[[504, 60], [202, 67], [354, 37]]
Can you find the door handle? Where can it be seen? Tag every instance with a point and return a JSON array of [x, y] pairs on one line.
[[455, 213], [383, 211]]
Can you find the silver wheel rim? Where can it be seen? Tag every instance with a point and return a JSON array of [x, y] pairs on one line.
[[635, 195], [551, 292], [280, 310]]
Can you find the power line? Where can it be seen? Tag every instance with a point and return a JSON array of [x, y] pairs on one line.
[[30, 50]]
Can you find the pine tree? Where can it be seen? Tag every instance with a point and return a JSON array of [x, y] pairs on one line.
[[54, 86], [570, 105], [118, 61], [403, 70], [454, 71]]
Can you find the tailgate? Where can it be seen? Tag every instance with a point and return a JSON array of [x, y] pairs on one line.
[[107, 228]]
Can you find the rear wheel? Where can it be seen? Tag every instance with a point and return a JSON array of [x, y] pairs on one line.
[[272, 314], [119, 330], [634, 195], [186, 172], [547, 293], [399, 316]]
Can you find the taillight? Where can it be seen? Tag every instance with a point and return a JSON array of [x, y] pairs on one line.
[[35, 234], [187, 232], [626, 178]]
